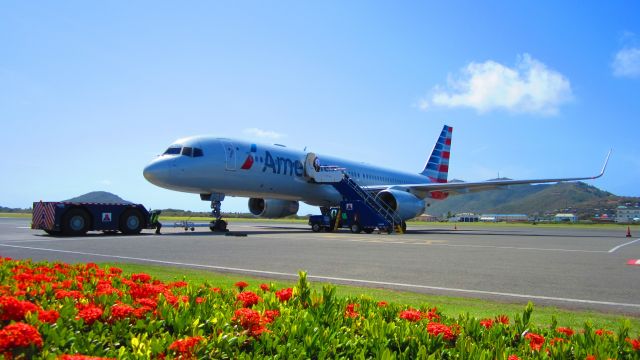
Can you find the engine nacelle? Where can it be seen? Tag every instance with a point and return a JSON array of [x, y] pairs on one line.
[[404, 203], [272, 208]]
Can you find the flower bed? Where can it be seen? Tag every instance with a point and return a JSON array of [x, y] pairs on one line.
[[62, 311]]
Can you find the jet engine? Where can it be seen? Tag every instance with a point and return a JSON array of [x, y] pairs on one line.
[[272, 208], [404, 203]]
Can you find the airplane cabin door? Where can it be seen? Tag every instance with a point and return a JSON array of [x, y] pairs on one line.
[[229, 155]]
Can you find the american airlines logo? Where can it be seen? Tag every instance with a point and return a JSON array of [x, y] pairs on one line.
[[277, 165]]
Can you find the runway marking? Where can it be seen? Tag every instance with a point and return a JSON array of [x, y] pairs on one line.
[[23, 227], [440, 243], [331, 278], [625, 244]]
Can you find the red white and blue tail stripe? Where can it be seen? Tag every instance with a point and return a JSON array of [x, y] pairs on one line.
[[437, 167]]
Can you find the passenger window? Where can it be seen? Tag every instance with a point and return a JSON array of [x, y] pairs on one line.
[[197, 152], [172, 151], [186, 151]]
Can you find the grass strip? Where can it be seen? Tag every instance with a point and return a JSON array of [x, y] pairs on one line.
[[450, 306]]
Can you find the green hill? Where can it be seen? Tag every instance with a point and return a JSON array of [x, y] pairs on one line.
[[576, 197]]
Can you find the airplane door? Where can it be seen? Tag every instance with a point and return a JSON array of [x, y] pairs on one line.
[[229, 155]]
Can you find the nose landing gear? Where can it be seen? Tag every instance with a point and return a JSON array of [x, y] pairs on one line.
[[217, 225]]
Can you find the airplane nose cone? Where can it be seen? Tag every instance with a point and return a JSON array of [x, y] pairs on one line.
[[157, 172]]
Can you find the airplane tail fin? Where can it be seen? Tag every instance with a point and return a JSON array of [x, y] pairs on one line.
[[437, 167]]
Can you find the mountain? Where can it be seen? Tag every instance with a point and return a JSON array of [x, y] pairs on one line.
[[576, 197], [100, 197]]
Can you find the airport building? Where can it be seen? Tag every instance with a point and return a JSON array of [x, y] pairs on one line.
[[565, 218], [627, 214], [504, 217], [465, 217]]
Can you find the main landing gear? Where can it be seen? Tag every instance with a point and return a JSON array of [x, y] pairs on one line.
[[217, 225]]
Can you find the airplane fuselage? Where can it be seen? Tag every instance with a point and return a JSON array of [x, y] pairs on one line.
[[245, 169]]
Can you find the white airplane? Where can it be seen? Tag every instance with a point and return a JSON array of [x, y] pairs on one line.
[[275, 178]]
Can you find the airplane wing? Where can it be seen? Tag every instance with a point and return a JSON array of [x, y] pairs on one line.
[[455, 188]]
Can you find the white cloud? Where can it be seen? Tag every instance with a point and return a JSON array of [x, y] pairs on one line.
[[106, 182], [626, 63], [529, 87], [265, 134]]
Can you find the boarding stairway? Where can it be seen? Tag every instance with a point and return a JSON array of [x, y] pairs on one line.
[[350, 190]]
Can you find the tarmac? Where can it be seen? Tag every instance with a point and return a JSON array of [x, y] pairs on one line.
[[572, 268]]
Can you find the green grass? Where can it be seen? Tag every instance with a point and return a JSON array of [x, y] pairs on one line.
[[450, 306], [15, 215]]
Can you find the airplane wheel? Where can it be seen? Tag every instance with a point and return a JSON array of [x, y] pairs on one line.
[[404, 227], [76, 222], [218, 226], [355, 228], [368, 230], [315, 228]]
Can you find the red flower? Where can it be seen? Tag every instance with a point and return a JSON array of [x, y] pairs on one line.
[[89, 313], [121, 311], [247, 317], [248, 298], [147, 302], [602, 332], [513, 357], [115, 271], [487, 323], [502, 319], [554, 341], [142, 311], [436, 329], [270, 315], [567, 331], [535, 341], [141, 277], [284, 294], [48, 316], [264, 287], [382, 304], [411, 315], [61, 294], [350, 311], [634, 343], [199, 300], [216, 290], [177, 284], [19, 335], [185, 347], [590, 357], [82, 357], [241, 285], [14, 309], [432, 315]]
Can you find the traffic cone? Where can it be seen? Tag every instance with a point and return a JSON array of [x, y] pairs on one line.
[[628, 231]]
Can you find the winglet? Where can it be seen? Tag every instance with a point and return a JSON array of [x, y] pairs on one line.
[[604, 167]]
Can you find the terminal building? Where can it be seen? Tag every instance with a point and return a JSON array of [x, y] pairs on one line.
[[627, 214], [504, 217], [565, 218]]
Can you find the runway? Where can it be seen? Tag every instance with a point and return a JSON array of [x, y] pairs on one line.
[[565, 267]]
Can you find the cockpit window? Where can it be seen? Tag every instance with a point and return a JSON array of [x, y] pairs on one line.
[[172, 151], [197, 152], [187, 151]]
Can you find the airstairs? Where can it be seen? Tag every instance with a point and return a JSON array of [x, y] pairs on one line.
[[350, 190]]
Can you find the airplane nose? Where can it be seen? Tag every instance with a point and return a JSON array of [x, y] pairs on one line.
[[157, 172]]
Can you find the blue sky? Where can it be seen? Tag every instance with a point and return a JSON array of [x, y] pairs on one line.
[[90, 92]]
